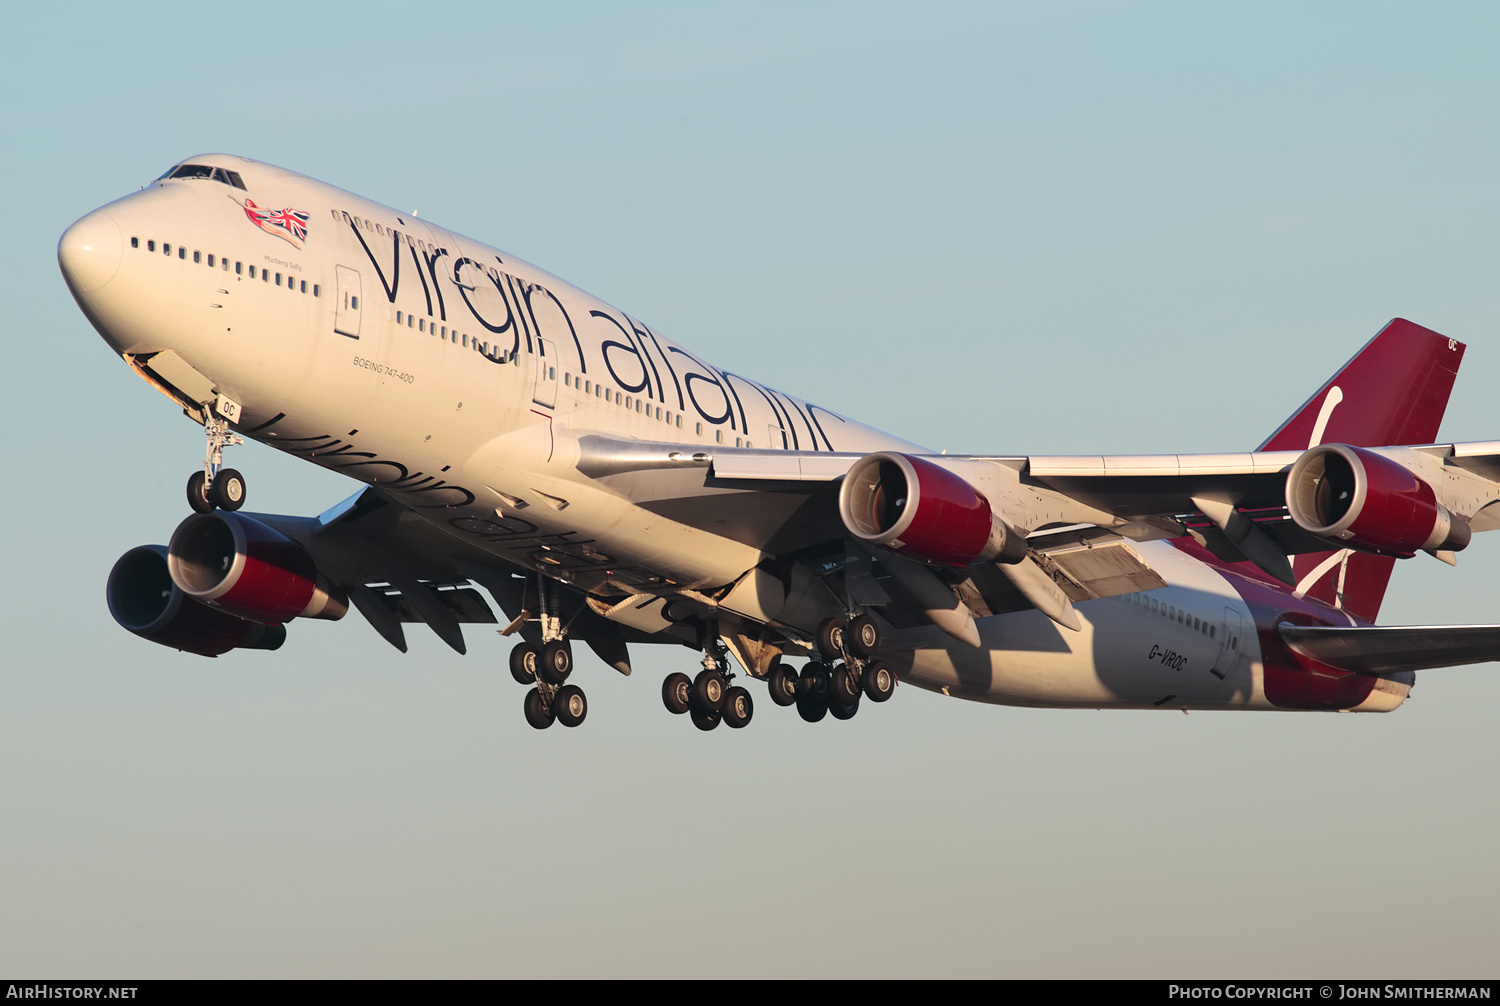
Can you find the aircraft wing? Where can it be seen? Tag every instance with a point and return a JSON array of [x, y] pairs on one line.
[[400, 569], [785, 502], [1390, 649]]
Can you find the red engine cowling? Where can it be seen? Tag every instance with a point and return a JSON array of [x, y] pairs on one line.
[[143, 599], [1367, 501], [910, 505], [237, 563]]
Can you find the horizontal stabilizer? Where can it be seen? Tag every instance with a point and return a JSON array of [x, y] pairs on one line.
[[1388, 649]]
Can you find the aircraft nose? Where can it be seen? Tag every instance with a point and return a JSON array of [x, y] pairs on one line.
[[89, 252]]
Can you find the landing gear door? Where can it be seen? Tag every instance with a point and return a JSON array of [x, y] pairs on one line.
[[546, 373], [346, 315]]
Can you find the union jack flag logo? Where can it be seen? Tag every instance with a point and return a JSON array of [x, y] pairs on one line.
[[288, 224]]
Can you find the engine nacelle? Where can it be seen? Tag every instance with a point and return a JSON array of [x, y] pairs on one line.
[[237, 563], [143, 599], [1367, 501], [912, 506]]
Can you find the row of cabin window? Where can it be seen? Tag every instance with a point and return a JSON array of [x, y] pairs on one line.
[[1179, 615], [380, 229], [633, 403], [441, 331], [239, 267]]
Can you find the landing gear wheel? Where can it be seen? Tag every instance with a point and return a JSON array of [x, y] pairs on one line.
[[538, 712], [738, 707], [704, 720], [570, 706], [556, 662], [677, 693], [197, 495], [862, 636], [781, 682], [812, 708], [228, 490], [523, 663], [879, 681], [830, 638], [814, 680], [843, 710], [708, 691], [843, 686]]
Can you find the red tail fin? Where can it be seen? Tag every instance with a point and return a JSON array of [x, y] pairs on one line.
[[1394, 391]]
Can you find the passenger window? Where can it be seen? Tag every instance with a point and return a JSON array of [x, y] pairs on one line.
[[210, 259], [197, 258], [400, 318], [278, 279], [265, 275], [252, 272], [166, 249], [135, 242], [354, 303], [421, 324], [411, 320], [238, 268], [303, 286], [151, 246], [181, 252], [316, 290], [718, 436]]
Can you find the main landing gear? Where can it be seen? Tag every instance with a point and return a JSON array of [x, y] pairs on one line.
[[216, 486], [709, 699], [847, 672], [547, 667]]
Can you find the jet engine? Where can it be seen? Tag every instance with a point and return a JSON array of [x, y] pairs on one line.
[[912, 506], [236, 563], [1367, 501], [143, 599]]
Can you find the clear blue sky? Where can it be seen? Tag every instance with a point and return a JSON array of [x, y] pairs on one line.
[[1055, 228]]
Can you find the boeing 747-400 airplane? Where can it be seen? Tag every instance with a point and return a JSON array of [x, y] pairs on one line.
[[603, 484]]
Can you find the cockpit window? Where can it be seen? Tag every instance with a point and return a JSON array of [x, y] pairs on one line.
[[206, 171]]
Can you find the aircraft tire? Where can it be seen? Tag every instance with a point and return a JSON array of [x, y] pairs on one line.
[[228, 490], [570, 706], [523, 660], [704, 720], [862, 636], [813, 680], [538, 713], [677, 693], [555, 662], [708, 690], [781, 682], [843, 686], [879, 681], [197, 495], [738, 707], [830, 638], [812, 707], [843, 711]]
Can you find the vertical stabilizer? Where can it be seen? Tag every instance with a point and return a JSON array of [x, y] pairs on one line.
[[1394, 391]]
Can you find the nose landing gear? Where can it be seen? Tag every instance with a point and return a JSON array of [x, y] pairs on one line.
[[216, 486]]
